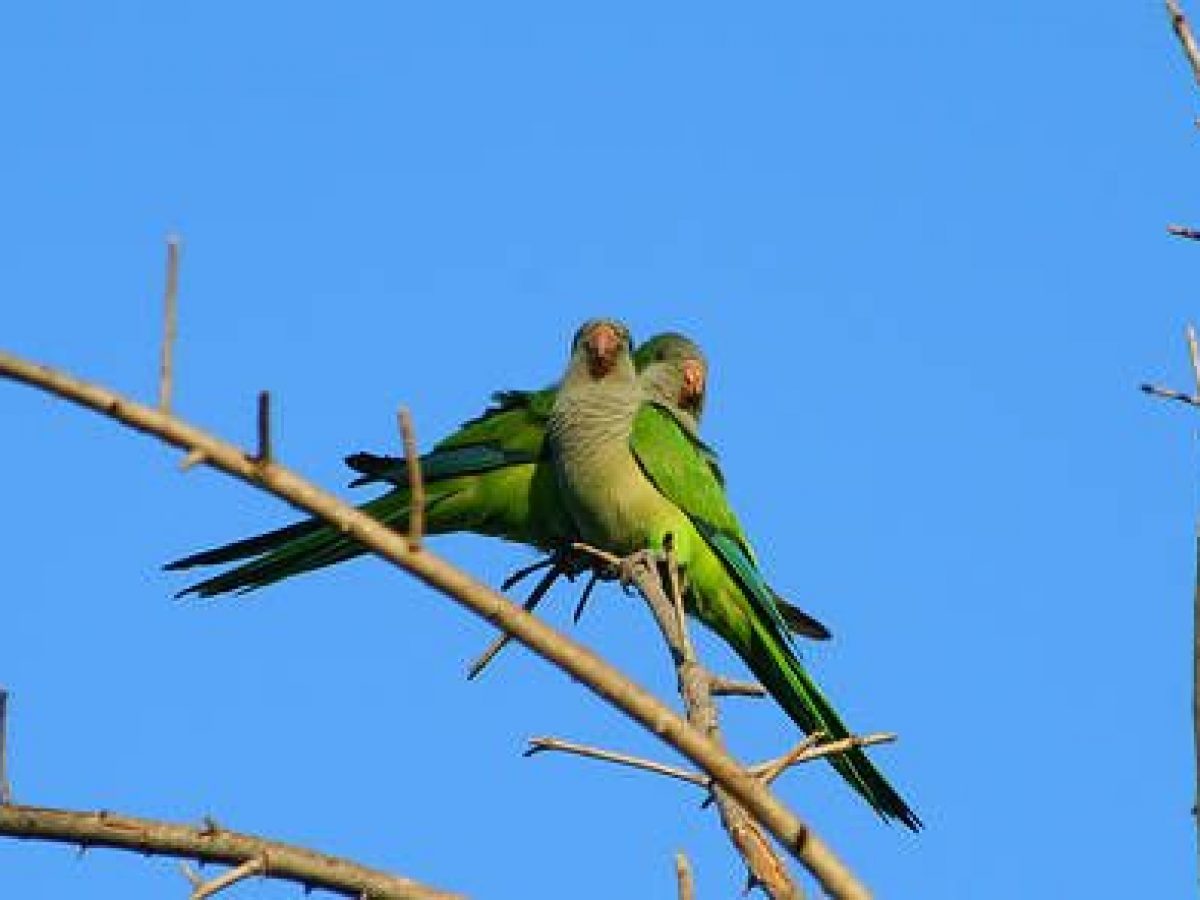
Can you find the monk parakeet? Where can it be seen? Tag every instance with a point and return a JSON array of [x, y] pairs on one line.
[[491, 477], [631, 476]]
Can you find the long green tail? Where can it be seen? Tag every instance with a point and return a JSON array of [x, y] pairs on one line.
[[298, 548], [780, 672], [767, 650]]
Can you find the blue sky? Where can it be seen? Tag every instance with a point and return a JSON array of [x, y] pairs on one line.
[[924, 248]]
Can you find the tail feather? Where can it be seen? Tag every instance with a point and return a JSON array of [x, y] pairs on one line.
[[765, 646], [781, 673], [303, 547], [801, 623], [248, 547], [450, 462]]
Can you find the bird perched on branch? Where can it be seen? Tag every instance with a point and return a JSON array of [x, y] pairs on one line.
[[492, 477], [631, 476]]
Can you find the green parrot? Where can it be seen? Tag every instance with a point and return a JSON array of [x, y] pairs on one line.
[[490, 477], [630, 476]]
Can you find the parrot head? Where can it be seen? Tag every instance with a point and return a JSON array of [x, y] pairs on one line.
[[601, 344], [675, 371]]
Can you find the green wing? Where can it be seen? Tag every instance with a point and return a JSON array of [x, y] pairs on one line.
[[488, 477], [684, 470], [511, 431], [680, 466]]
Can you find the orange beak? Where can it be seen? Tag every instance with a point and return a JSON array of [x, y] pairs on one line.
[[693, 384], [602, 345]]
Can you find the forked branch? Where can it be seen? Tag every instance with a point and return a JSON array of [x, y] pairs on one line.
[[211, 843], [599, 676], [661, 587]]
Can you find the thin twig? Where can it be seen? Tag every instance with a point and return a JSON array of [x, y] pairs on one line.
[[675, 592], [610, 559], [1187, 40], [1196, 684], [194, 458], [208, 844], [772, 769], [542, 744], [683, 877], [808, 750], [1168, 394], [264, 454], [577, 661], [1185, 35], [720, 686], [1193, 356], [416, 482], [1183, 231], [247, 869], [5, 789], [166, 371], [193, 877]]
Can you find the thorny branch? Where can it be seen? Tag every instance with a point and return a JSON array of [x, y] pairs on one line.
[[596, 674], [210, 843]]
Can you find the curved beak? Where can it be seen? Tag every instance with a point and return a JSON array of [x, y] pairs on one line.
[[602, 344], [693, 384]]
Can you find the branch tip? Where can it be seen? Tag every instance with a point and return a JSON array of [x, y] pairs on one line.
[[1183, 31], [193, 458], [683, 877], [166, 372], [416, 482], [264, 454], [5, 788]]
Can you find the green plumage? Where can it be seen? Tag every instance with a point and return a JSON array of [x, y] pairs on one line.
[[631, 476], [491, 477]]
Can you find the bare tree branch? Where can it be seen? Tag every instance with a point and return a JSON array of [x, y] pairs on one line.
[[599, 676], [1183, 31], [683, 877], [170, 326], [764, 865], [416, 482], [720, 686], [543, 744], [5, 788], [811, 748], [1168, 394], [1192, 399], [1183, 231], [210, 843], [263, 456], [204, 889]]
